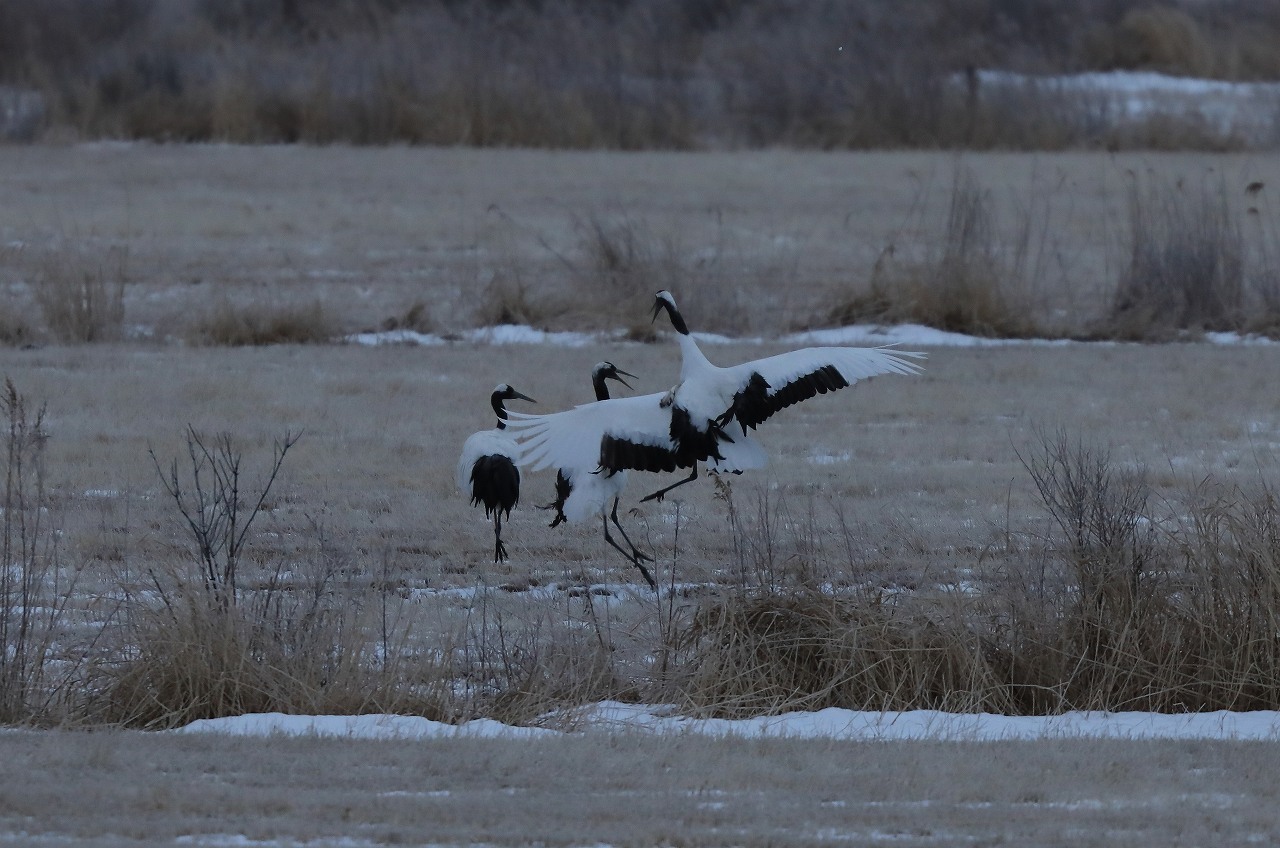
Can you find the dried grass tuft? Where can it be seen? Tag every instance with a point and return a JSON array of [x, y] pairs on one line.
[[970, 283], [239, 326], [81, 292], [1186, 264]]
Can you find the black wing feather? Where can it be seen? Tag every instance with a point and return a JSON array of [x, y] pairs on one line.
[[753, 404], [692, 445]]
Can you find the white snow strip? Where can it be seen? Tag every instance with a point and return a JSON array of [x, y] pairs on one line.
[[930, 724], [613, 717], [381, 726]]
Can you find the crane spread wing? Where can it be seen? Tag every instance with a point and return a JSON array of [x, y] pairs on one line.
[[775, 382], [632, 432]]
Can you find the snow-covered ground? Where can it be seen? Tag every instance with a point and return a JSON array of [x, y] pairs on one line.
[[611, 716]]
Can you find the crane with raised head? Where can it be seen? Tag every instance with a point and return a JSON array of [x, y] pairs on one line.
[[708, 398]]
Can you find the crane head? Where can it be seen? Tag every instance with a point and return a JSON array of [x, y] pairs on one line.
[[665, 300], [505, 392], [608, 371]]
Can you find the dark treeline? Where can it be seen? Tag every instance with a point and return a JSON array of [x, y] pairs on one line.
[[623, 74]]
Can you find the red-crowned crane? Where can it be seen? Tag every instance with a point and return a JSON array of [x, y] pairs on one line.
[[585, 491], [708, 398], [600, 441], [487, 470]]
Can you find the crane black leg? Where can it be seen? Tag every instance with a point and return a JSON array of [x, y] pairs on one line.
[[500, 550], [633, 560], [662, 493], [635, 552]]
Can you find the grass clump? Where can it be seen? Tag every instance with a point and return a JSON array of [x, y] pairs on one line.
[[970, 282], [81, 293], [1185, 268], [204, 640], [229, 325], [807, 650]]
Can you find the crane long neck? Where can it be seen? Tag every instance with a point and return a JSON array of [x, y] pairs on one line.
[[692, 359], [677, 320], [602, 389], [500, 409]]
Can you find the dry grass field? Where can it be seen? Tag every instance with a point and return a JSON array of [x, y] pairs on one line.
[[754, 242], [630, 790], [366, 582]]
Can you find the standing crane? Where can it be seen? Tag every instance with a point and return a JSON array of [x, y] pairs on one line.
[[586, 490], [487, 469], [707, 398]]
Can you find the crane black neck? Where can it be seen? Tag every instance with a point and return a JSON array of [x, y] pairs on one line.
[[500, 409], [597, 383], [677, 320]]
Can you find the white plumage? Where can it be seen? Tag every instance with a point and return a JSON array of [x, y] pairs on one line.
[[584, 490], [487, 469], [708, 398]]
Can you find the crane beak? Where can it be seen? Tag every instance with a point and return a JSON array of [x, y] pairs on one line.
[[618, 374], [657, 309], [517, 396]]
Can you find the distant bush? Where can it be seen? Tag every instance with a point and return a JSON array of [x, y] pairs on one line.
[[967, 282], [667, 74], [255, 325], [1185, 268], [80, 291]]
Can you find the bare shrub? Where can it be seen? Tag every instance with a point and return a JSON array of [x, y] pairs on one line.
[[1114, 585], [294, 645], [207, 642], [236, 326], [970, 283], [1115, 608], [1185, 267], [1230, 589], [34, 592], [81, 293], [213, 506]]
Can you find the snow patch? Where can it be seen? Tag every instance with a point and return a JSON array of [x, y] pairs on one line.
[[832, 723], [381, 726]]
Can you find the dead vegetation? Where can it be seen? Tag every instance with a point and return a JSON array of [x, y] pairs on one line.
[[262, 324], [969, 281], [80, 290], [624, 76]]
